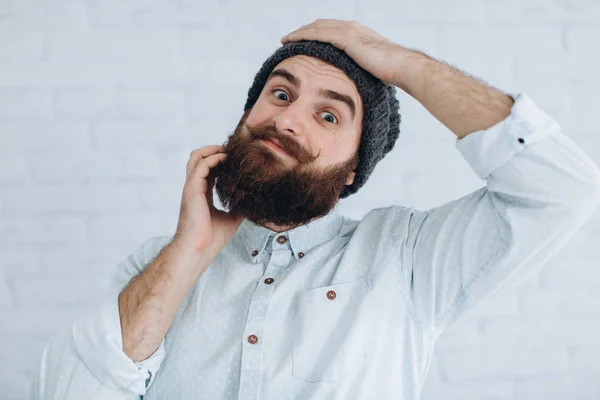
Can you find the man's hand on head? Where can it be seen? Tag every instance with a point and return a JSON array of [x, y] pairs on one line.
[[366, 47]]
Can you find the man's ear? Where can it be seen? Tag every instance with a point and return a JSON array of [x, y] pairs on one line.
[[350, 178]]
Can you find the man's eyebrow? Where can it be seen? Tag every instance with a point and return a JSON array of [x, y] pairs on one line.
[[327, 93]]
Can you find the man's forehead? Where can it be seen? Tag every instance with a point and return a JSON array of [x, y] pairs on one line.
[[299, 64]]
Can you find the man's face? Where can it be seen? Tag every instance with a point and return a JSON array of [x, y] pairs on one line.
[[304, 108]]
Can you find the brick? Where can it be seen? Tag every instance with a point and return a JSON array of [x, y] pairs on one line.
[[16, 383], [39, 324], [431, 188], [20, 259], [87, 258], [580, 39], [28, 15], [506, 40], [27, 45], [540, 331], [6, 296], [489, 363], [80, 289], [543, 67], [102, 104], [505, 303], [155, 13], [29, 136], [463, 335], [470, 390], [174, 164], [162, 73], [202, 108], [109, 228], [423, 37], [554, 98], [575, 267], [415, 11], [25, 104], [113, 44], [417, 154], [42, 229], [165, 73], [103, 167], [579, 302], [582, 116], [584, 360], [496, 69], [250, 42], [143, 134], [161, 196], [582, 11], [6, 7], [418, 124], [558, 388], [520, 12], [237, 13], [57, 73], [13, 168], [72, 197]]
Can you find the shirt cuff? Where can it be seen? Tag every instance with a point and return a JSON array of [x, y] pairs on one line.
[[98, 340], [488, 149]]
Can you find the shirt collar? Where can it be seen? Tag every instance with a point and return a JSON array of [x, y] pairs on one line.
[[302, 239]]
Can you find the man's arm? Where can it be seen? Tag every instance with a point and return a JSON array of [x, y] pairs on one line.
[[149, 303], [540, 189], [462, 103], [113, 350]]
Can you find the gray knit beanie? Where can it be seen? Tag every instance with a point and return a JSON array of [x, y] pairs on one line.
[[381, 119]]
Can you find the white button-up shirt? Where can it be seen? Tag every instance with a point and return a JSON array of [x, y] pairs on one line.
[[342, 308]]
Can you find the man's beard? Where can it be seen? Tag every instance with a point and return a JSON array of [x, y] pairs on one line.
[[255, 183]]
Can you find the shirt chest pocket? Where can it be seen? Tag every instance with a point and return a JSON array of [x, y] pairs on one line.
[[320, 338]]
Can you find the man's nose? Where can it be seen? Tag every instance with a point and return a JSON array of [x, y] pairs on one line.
[[291, 120]]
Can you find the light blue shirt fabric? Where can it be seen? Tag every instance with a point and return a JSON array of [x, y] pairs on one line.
[[343, 308]]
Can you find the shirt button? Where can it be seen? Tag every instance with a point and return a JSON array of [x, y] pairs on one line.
[[254, 253], [268, 281], [331, 295], [252, 339], [521, 140], [281, 240], [300, 254]]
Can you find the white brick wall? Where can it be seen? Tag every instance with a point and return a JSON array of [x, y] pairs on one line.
[[101, 102]]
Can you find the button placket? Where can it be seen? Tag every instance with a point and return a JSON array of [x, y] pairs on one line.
[[279, 259]]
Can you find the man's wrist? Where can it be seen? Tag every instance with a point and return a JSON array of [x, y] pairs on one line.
[[410, 70]]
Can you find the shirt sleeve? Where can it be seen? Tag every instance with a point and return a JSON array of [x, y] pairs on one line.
[[93, 351], [541, 188], [62, 375]]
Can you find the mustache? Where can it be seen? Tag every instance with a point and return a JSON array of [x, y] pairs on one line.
[[292, 147]]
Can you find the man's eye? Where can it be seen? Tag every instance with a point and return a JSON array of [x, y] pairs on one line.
[[330, 115], [332, 118], [281, 91]]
